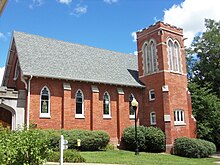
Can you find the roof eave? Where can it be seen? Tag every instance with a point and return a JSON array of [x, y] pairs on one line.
[[84, 80]]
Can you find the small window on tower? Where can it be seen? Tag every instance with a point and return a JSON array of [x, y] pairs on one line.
[[151, 95], [179, 117]]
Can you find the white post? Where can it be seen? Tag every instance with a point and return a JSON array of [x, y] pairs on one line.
[[61, 149]]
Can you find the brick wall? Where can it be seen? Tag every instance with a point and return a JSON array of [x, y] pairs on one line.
[[63, 106], [176, 97]]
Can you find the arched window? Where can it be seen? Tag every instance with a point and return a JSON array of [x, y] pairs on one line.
[[131, 110], [45, 102], [177, 57], [79, 104], [150, 58], [153, 56], [153, 118], [147, 59], [16, 71], [170, 52], [106, 105], [174, 56]]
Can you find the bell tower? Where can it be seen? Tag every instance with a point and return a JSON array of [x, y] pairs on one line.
[[162, 68]]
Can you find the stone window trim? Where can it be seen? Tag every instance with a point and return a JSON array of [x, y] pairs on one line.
[[151, 95], [79, 100], [153, 119], [174, 56], [150, 64], [45, 102], [16, 71], [106, 106], [179, 117]]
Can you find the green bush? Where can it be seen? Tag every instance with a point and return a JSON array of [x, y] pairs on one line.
[[154, 139], [149, 139], [193, 148], [23, 147], [68, 156], [128, 137], [90, 140]]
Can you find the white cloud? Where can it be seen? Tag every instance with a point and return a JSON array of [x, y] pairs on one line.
[[134, 35], [1, 74], [79, 10], [135, 52], [190, 16], [67, 2], [2, 36], [36, 3], [110, 1]]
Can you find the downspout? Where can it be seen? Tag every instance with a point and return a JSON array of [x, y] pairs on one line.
[[28, 102]]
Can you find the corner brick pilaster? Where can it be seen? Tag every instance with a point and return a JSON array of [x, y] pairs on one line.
[[67, 112]]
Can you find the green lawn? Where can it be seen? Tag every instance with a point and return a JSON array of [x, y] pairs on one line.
[[129, 158]]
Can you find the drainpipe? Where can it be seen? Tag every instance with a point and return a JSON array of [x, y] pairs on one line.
[[28, 102]]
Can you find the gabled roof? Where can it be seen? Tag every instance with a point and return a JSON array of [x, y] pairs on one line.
[[44, 57]]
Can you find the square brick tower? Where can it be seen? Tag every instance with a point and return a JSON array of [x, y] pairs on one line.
[[162, 68]]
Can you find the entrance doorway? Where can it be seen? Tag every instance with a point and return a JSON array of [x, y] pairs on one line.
[[5, 118]]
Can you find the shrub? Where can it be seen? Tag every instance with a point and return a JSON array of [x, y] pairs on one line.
[[128, 137], [149, 139], [68, 156], [109, 147], [23, 147], [154, 139], [193, 148], [90, 140]]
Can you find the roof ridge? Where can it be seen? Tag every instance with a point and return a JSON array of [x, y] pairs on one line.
[[68, 42]]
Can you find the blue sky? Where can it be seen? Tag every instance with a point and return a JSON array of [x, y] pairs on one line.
[[107, 24], [90, 22]]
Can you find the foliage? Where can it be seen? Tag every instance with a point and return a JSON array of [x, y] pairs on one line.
[[206, 109], [149, 139], [193, 148], [109, 147], [68, 156], [23, 147], [203, 62], [90, 140], [128, 138], [206, 47], [154, 139], [144, 158]]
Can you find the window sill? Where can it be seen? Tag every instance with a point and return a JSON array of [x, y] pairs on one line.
[[176, 72], [132, 117], [79, 116], [45, 116], [106, 117], [151, 100], [153, 124], [179, 124]]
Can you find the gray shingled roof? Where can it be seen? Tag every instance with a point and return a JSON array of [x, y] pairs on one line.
[[44, 57]]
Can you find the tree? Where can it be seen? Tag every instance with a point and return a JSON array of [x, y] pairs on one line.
[[206, 110], [206, 69], [203, 60]]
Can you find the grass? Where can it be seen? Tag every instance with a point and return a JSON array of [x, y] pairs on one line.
[[129, 158]]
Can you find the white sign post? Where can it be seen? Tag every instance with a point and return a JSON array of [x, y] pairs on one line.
[[63, 146]]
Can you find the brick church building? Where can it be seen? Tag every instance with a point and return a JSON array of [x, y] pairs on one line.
[[61, 85]]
